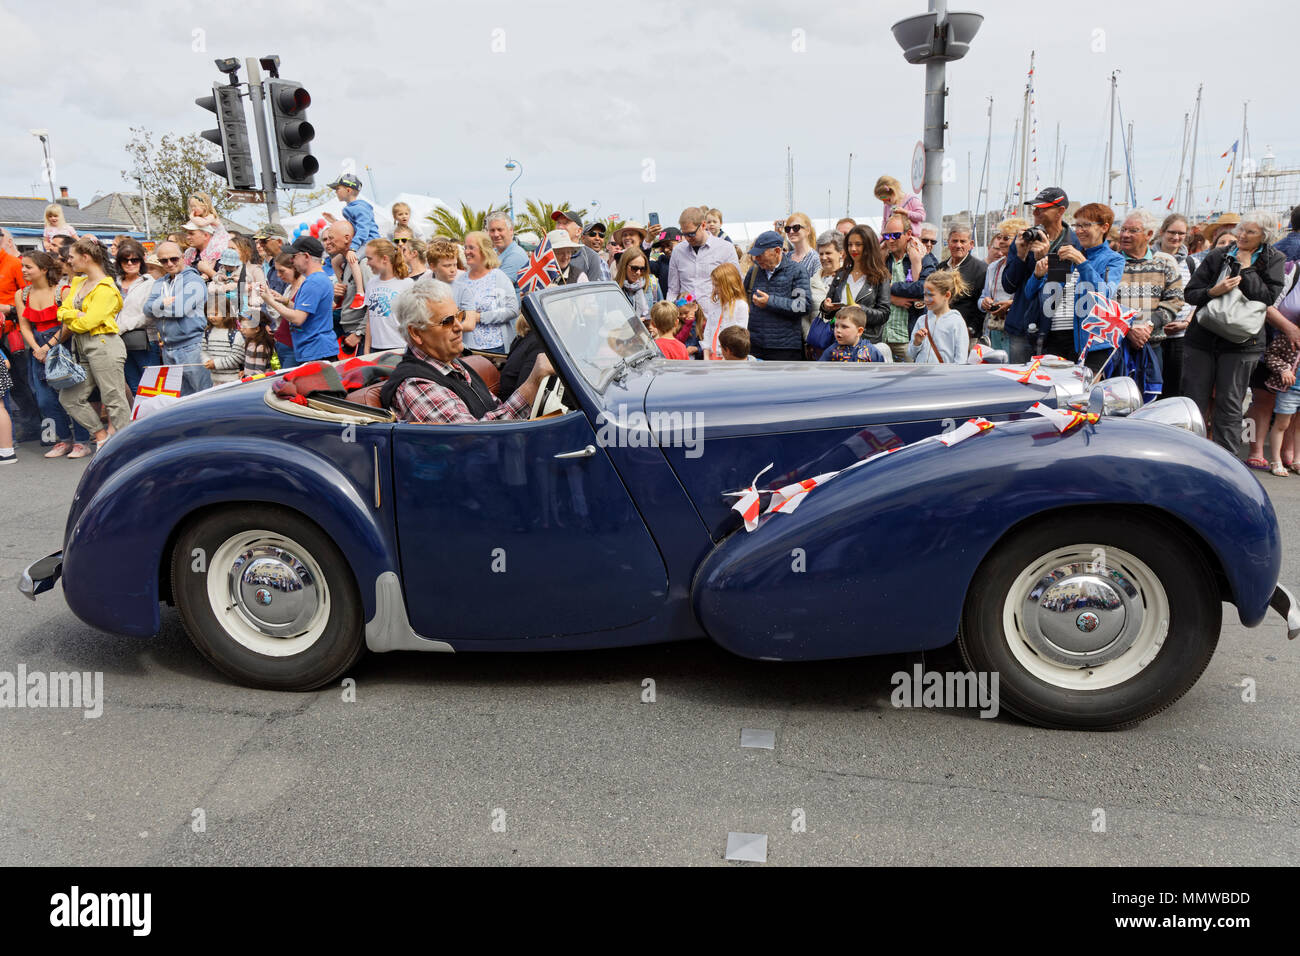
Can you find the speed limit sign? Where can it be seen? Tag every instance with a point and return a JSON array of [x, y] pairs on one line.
[[918, 168]]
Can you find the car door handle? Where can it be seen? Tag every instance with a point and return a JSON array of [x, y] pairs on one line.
[[584, 453]]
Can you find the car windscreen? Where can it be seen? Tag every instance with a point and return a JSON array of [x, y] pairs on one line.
[[598, 330]]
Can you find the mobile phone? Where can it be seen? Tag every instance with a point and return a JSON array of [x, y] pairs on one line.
[[654, 219]]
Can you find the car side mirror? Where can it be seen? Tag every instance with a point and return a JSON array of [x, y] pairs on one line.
[[1115, 397]]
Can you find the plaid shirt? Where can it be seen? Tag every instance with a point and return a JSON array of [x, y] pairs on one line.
[[1154, 287], [420, 400]]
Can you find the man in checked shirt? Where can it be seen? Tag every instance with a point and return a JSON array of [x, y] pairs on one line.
[[431, 385]]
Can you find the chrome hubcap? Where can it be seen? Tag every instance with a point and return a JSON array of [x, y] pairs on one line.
[[1081, 617], [273, 590], [1079, 624]]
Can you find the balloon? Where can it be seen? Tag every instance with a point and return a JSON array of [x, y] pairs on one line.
[[315, 229]]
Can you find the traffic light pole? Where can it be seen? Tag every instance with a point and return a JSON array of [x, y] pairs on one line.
[[263, 142]]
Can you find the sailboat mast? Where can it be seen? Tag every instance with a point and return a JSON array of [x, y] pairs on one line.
[[1178, 188], [1196, 129], [982, 197], [1024, 137], [1238, 162], [1110, 149]]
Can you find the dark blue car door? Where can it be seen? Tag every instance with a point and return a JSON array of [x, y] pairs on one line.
[[512, 530]]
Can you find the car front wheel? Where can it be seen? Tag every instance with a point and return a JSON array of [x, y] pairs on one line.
[[267, 598], [1092, 622]]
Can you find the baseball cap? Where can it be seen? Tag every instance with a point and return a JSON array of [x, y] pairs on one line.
[[346, 180], [568, 214], [594, 226], [1051, 196], [766, 240], [310, 245], [192, 226], [271, 232]]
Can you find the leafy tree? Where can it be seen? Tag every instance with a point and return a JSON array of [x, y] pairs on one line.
[[457, 225], [170, 172], [537, 217]]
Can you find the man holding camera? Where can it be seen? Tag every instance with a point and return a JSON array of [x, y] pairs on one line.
[[1032, 309]]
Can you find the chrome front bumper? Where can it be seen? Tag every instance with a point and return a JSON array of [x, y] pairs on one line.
[[42, 575], [1284, 602]]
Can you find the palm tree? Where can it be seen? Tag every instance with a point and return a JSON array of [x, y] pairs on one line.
[[457, 225], [537, 216]]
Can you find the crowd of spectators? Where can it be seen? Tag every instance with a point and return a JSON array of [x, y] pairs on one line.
[[221, 306]]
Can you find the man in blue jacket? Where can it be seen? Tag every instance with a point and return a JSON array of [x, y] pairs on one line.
[[779, 295], [179, 301], [1030, 317]]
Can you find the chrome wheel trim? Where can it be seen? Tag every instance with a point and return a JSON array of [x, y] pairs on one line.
[[268, 593], [1085, 617]]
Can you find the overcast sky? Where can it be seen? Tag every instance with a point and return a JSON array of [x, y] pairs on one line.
[[701, 98]]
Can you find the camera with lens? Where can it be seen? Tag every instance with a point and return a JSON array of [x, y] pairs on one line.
[[1033, 234]]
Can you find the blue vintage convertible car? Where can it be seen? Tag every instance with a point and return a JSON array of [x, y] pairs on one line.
[[1086, 568]]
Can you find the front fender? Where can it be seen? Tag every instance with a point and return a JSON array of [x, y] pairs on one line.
[[114, 549], [879, 560]]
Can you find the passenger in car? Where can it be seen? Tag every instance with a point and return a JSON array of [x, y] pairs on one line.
[[431, 385]]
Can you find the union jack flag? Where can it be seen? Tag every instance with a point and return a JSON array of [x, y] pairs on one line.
[[541, 270], [1110, 322]]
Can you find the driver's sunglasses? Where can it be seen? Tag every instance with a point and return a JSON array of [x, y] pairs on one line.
[[890, 236], [168, 260], [446, 320]]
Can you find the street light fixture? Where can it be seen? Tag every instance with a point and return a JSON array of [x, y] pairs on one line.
[[513, 164], [934, 39], [44, 136]]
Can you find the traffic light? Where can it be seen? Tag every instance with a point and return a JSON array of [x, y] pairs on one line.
[[289, 102], [230, 136]]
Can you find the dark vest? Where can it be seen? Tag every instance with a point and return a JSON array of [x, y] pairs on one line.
[[473, 393]]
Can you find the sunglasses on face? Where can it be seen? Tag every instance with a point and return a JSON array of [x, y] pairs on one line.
[[127, 259], [447, 320], [403, 239], [168, 260], [890, 236], [794, 228], [636, 268], [928, 242]]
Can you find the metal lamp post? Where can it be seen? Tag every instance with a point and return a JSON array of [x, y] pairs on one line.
[[513, 164], [934, 38]]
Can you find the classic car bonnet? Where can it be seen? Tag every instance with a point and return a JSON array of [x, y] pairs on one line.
[[731, 399], [720, 423]]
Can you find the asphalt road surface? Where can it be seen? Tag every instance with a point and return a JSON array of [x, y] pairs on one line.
[[555, 758]]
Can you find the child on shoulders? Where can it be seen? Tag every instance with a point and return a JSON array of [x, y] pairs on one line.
[[361, 215]]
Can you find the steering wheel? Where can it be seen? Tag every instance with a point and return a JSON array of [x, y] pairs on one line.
[[549, 400]]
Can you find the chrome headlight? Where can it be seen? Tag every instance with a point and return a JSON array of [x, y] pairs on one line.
[[1180, 412], [1116, 397]]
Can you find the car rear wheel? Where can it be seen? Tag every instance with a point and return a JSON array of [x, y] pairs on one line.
[[1092, 621], [268, 598]]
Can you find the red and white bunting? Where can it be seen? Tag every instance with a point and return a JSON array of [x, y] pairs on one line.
[[748, 506], [785, 500], [1029, 376], [968, 430], [1063, 419]]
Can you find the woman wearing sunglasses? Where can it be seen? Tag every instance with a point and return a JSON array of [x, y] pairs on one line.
[[137, 329], [641, 288], [800, 243]]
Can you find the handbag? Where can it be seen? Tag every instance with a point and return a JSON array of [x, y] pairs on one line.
[[135, 340], [61, 371], [820, 334], [1232, 316]]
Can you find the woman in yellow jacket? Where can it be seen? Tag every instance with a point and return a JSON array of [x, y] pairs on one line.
[[87, 314]]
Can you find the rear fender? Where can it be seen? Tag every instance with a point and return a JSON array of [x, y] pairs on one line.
[[113, 552], [879, 560]]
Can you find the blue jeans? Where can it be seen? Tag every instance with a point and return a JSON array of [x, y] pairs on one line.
[[285, 353], [195, 378], [47, 399], [136, 362]]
